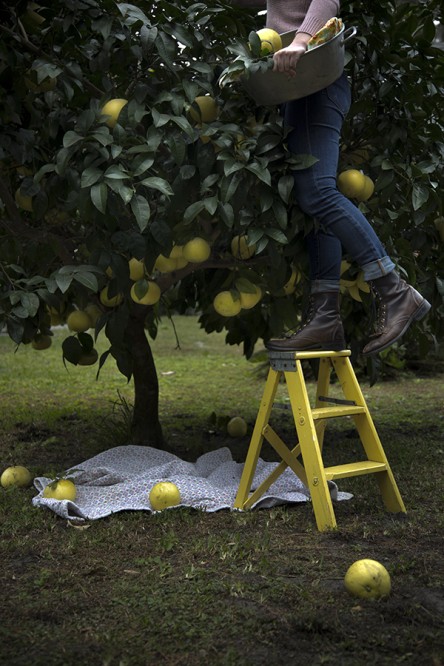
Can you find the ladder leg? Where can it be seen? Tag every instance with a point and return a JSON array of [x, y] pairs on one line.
[[369, 436], [322, 389], [257, 438], [310, 449]]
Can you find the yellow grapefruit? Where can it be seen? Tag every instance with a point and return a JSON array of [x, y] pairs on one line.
[[89, 358], [163, 495], [240, 248], [290, 285], [94, 313], [207, 111], [112, 109], [136, 269], [351, 183], [249, 300], [17, 476], [61, 489], [367, 579], [226, 305], [196, 250], [23, 201], [110, 301], [78, 321], [151, 295], [165, 264], [369, 188], [237, 427], [270, 41], [41, 341]]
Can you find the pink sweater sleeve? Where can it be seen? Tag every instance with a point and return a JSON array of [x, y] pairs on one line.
[[302, 15], [319, 12]]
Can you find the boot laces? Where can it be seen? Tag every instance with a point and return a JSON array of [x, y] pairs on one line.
[[379, 312], [306, 319]]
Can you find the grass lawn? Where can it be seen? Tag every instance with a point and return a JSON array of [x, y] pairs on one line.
[[186, 587]]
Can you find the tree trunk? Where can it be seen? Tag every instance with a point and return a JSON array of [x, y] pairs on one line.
[[145, 426]]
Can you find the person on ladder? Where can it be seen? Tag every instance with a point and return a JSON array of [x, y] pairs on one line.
[[316, 123]]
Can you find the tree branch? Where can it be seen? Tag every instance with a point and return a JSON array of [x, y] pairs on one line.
[[24, 41], [17, 227]]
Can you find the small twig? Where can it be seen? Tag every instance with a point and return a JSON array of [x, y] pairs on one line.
[[24, 41]]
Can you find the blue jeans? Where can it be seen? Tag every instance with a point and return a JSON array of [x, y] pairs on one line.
[[316, 123]]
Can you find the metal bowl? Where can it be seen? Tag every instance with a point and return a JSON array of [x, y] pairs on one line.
[[315, 70]]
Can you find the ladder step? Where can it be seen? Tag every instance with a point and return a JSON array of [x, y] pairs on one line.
[[354, 469], [340, 410]]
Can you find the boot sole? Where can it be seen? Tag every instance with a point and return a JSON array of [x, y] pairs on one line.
[[333, 347], [416, 316]]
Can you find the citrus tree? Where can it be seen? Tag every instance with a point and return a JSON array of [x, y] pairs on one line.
[[133, 185]]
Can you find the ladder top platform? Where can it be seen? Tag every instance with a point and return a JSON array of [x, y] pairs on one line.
[[300, 355]]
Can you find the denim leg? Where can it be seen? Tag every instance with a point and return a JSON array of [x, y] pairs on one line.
[[316, 123]]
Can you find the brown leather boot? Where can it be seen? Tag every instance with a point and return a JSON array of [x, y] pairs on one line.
[[322, 327], [399, 305]]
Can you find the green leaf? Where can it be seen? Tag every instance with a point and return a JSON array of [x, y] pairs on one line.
[[126, 193], [99, 196], [302, 161], [262, 173], [159, 184], [226, 214], [72, 350], [420, 195], [71, 138], [193, 211], [103, 136], [285, 187], [15, 329], [116, 172], [86, 341], [244, 285], [281, 214], [277, 235], [161, 232], [255, 235], [211, 204], [141, 210], [88, 280], [90, 176], [141, 164], [30, 302], [63, 282]]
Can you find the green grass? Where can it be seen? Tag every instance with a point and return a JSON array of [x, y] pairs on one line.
[[185, 587]]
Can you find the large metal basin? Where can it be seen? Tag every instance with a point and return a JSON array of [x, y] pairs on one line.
[[315, 70]]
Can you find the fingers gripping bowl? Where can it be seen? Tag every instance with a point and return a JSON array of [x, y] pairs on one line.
[[316, 69]]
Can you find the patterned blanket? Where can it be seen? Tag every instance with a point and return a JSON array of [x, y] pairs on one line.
[[121, 478]]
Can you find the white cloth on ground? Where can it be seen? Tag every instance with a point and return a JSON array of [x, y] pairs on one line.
[[121, 478]]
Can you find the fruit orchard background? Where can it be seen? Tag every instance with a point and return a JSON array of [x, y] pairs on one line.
[[79, 198]]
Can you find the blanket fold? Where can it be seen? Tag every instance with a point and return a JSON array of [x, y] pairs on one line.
[[121, 478]]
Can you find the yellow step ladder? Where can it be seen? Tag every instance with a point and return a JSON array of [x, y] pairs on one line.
[[310, 427]]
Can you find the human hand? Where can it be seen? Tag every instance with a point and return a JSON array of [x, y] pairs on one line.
[[286, 59]]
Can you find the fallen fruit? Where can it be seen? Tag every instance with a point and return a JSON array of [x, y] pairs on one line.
[[237, 427], [163, 495], [367, 579], [17, 476], [61, 489]]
